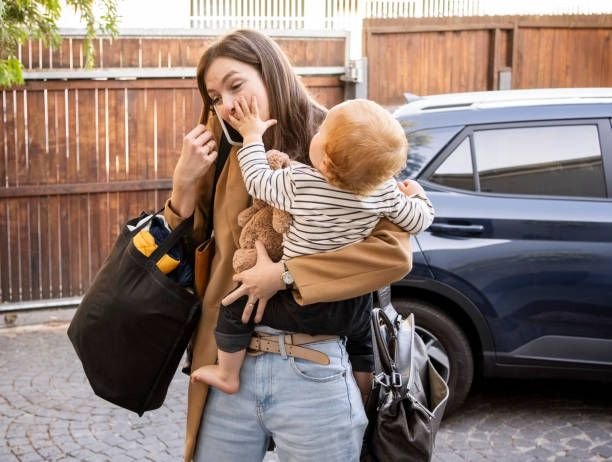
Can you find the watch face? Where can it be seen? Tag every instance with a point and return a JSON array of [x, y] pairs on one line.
[[287, 278]]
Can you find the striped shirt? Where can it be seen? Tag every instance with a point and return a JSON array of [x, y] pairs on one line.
[[326, 217]]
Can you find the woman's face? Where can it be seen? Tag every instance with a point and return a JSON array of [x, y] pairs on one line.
[[227, 79]]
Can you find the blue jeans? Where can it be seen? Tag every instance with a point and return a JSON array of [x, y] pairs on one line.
[[313, 412]]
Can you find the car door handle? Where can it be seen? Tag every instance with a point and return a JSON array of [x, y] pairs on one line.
[[456, 230]]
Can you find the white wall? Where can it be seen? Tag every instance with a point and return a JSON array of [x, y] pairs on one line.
[[140, 14]]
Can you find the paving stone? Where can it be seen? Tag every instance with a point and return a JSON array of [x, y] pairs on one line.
[[604, 450], [578, 443]]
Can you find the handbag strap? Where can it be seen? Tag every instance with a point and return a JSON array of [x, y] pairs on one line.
[[386, 349], [173, 238]]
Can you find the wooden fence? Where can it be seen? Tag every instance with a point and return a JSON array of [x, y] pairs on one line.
[[79, 157], [430, 56]]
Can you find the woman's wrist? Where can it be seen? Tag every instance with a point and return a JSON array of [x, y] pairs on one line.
[[181, 203], [280, 270], [287, 278]]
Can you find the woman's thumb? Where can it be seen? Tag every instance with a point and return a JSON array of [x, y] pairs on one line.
[[262, 253]]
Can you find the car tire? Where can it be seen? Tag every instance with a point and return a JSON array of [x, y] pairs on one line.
[[443, 335]]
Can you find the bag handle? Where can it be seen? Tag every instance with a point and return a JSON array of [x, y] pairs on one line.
[[387, 349], [172, 239]]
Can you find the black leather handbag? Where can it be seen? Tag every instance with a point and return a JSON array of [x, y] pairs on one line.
[[406, 404], [134, 322]]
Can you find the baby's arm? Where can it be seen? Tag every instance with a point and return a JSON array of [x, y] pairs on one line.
[[275, 187], [413, 211]]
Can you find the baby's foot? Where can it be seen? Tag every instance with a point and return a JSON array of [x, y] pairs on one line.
[[213, 375]]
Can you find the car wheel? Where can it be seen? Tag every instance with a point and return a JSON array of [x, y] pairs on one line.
[[447, 346]]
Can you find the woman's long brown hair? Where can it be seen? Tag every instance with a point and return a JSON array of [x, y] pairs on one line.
[[298, 115]]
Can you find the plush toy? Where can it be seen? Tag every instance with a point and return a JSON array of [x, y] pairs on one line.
[[262, 222]]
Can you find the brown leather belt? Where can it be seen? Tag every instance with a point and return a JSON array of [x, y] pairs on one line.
[[264, 343]]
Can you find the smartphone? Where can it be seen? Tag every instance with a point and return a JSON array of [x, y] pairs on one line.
[[226, 132]]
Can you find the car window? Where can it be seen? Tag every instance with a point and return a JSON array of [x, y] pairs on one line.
[[423, 145], [456, 171], [562, 160], [545, 160]]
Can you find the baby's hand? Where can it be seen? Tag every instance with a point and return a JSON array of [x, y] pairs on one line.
[[410, 187], [245, 118]]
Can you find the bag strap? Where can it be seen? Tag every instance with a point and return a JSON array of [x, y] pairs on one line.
[[173, 238], [386, 349]]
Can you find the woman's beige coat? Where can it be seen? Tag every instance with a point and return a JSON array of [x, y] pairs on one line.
[[383, 257]]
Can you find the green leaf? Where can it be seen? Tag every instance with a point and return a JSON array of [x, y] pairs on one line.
[[11, 72], [37, 19]]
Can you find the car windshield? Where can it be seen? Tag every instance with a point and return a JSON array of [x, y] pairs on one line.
[[423, 145]]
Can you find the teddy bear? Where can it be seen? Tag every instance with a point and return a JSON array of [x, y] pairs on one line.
[[262, 222]]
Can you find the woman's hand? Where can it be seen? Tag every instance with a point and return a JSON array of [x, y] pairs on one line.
[[260, 283], [197, 155]]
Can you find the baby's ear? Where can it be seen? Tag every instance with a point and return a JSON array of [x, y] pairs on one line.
[[325, 162]]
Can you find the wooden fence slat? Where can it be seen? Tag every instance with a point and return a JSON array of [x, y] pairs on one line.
[[133, 128], [51, 137], [24, 248], [38, 160], [165, 145], [119, 165], [4, 134], [33, 239], [11, 138], [45, 251], [5, 258], [72, 241], [15, 253], [86, 141]]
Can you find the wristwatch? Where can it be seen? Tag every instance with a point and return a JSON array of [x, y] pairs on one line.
[[287, 277]]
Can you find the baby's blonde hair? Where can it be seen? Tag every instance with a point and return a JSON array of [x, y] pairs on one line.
[[365, 146]]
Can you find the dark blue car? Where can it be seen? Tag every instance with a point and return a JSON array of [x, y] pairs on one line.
[[514, 277]]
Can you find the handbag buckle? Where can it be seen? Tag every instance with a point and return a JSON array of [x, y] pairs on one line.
[[394, 380]]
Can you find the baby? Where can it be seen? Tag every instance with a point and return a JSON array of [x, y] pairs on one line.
[[338, 201]]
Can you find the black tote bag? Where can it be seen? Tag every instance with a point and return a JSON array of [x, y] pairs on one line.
[[134, 323], [407, 402]]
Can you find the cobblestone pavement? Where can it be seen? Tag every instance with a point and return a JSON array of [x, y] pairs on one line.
[[49, 413]]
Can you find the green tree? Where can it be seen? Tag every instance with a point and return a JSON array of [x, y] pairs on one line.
[[21, 20]]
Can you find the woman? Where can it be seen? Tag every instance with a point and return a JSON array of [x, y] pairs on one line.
[[312, 411]]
